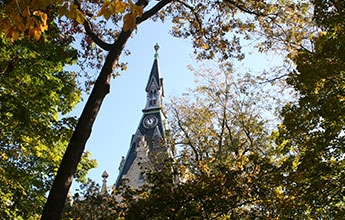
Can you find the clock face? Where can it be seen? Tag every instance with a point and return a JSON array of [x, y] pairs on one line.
[[150, 121]]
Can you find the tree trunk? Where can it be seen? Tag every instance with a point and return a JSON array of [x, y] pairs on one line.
[[63, 180]]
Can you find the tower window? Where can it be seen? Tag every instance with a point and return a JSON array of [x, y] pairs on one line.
[[153, 97]]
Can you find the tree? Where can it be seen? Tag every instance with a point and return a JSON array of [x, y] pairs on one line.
[[225, 157], [312, 133], [206, 22], [90, 203], [34, 90]]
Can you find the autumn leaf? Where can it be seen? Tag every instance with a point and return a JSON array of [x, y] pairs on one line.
[[79, 17], [129, 22], [36, 33], [120, 7], [111, 8], [101, 12]]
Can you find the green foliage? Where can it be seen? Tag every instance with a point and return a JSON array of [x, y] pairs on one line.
[[221, 132], [216, 191], [222, 116], [89, 203], [312, 134], [223, 168], [224, 160], [34, 91]]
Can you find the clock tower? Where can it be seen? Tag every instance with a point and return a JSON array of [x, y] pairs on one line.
[[148, 143]]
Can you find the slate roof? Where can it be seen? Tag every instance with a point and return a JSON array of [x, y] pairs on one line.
[[154, 75]]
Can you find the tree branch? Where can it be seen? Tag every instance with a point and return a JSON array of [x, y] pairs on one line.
[[95, 38], [88, 29], [152, 11], [193, 12], [244, 9], [187, 136]]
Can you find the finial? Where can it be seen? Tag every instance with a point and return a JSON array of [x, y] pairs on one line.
[[104, 185], [122, 162], [156, 49], [105, 174]]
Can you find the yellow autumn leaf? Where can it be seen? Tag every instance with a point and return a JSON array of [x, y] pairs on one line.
[[107, 14], [120, 7], [128, 22], [37, 13], [103, 9], [101, 12], [44, 17], [80, 17], [63, 9], [316, 91], [112, 7], [36, 33], [341, 98], [73, 7], [69, 14], [135, 9], [205, 46], [43, 27]]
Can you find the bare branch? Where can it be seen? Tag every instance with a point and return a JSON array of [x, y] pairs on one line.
[[231, 136], [185, 133], [274, 79], [152, 11]]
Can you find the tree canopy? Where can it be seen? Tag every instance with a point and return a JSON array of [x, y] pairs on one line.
[[34, 92], [312, 133], [215, 27], [224, 156]]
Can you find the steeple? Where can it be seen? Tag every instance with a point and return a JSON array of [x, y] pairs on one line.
[[104, 185], [154, 87], [149, 138]]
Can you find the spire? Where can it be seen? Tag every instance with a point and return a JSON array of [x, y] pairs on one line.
[[154, 87], [148, 141], [155, 73], [104, 185]]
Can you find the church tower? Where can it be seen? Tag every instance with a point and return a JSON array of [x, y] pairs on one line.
[[148, 143]]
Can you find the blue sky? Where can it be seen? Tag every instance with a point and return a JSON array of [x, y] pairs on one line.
[[121, 111]]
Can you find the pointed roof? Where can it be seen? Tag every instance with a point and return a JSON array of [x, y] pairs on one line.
[[154, 75], [142, 131]]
